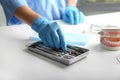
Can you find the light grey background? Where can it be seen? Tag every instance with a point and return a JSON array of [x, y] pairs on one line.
[[97, 8]]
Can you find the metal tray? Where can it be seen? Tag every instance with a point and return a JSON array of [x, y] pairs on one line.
[[72, 55]]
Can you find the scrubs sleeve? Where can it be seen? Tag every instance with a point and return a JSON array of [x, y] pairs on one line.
[[75, 0], [9, 7]]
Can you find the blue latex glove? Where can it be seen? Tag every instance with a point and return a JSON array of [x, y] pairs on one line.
[[72, 15], [50, 33]]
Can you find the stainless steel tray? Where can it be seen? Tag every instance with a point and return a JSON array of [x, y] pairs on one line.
[[72, 55]]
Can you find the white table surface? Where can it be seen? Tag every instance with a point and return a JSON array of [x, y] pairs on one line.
[[17, 63]]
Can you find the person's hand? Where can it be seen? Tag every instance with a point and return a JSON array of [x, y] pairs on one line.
[[50, 33], [72, 15]]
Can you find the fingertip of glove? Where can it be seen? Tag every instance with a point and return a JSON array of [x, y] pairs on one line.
[[64, 48]]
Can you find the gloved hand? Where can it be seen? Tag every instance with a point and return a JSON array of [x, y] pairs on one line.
[[50, 33], [72, 15]]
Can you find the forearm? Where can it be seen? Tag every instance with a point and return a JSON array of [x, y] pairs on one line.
[[72, 2], [26, 14]]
